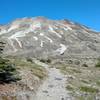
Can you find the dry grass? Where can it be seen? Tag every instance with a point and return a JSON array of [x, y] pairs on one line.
[[37, 70], [83, 79]]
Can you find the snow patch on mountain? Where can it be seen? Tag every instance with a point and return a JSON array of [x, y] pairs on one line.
[[36, 38], [49, 39], [18, 34], [41, 34], [52, 30], [3, 31], [11, 43], [41, 43], [18, 42], [62, 49], [13, 27]]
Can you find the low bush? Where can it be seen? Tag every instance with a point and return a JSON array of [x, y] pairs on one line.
[[97, 64], [70, 62], [29, 60], [84, 65], [69, 87], [77, 62], [8, 71], [45, 60], [89, 89]]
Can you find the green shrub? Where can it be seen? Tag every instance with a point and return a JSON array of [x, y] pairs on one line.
[[29, 60], [42, 60], [89, 89], [98, 82], [70, 62], [85, 65], [76, 71], [69, 87], [45, 60], [8, 72], [77, 62], [48, 61], [98, 64]]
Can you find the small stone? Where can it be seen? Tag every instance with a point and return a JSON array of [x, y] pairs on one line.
[[45, 91], [58, 79], [51, 86], [62, 98]]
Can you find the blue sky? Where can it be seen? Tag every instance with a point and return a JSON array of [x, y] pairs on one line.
[[86, 12]]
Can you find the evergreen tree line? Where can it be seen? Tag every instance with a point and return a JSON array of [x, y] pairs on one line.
[[8, 71]]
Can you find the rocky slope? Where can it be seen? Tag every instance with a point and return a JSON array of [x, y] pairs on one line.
[[42, 37], [28, 39]]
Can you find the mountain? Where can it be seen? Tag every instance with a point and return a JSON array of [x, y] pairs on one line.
[[74, 75], [42, 37]]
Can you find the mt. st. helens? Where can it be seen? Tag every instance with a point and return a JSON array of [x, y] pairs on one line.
[[42, 37]]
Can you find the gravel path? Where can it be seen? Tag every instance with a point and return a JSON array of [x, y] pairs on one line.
[[53, 87]]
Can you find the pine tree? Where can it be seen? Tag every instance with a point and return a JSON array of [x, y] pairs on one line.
[[7, 70]]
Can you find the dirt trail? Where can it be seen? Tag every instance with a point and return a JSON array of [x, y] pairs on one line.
[[53, 87]]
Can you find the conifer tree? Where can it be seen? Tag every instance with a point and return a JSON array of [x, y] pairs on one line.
[[7, 70]]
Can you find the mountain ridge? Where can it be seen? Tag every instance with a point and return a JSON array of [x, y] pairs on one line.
[[40, 36]]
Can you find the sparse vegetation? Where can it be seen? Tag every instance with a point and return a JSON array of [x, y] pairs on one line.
[[68, 69], [69, 87], [80, 79], [10, 98], [85, 81], [70, 62], [37, 70], [88, 89], [45, 60], [48, 60], [97, 64], [29, 60], [77, 62], [76, 70], [98, 82]]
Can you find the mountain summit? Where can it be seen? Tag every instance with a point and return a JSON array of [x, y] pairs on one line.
[[42, 37]]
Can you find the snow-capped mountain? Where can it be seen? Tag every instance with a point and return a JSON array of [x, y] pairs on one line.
[[42, 37]]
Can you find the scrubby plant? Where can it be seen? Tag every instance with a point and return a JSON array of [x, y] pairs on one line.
[[89, 89], [97, 64], [42, 60], [45, 60], [29, 60], [84, 65], [70, 61], [77, 62], [69, 87], [48, 61]]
